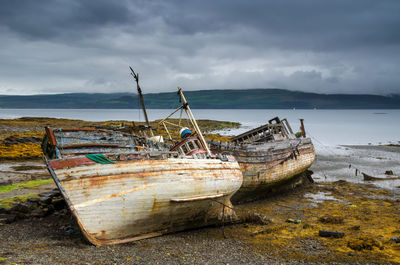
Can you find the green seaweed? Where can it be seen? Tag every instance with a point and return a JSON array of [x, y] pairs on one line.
[[25, 184], [9, 201]]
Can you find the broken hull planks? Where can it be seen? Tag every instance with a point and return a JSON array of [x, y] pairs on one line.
[[131, 200], [271, 165]]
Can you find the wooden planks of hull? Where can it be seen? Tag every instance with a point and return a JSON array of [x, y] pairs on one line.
[[131, 200], [260, 179], [266, 166]]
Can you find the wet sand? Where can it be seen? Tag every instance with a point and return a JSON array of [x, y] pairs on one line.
[[340, 163]]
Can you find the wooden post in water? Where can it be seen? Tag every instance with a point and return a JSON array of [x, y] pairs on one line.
[[303, 131]]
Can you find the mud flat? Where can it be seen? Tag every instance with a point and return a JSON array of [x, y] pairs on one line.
[[350, 162], [361, 219], [280, 230]]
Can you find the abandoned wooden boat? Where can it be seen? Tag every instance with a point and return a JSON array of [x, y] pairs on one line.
[[122, 188], [270, 157]]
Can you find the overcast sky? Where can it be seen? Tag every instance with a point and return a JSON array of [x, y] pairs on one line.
[[337, 46]]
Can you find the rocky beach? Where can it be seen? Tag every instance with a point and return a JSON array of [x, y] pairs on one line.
[[349, 215]]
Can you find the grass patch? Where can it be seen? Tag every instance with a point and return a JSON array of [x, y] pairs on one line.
[[9, 201], [26, 184]]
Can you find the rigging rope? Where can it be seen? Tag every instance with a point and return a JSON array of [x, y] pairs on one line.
[[138, 107]]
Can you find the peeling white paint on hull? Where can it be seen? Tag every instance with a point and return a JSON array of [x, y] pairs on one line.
[[135, 199]]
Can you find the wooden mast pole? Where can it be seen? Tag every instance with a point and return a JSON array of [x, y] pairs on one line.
[[136, 76], [193, 120]]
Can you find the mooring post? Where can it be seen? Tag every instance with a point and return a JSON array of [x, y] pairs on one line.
[[303, 131]]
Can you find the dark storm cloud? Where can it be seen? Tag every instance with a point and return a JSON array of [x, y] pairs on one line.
[[311, 24], [308, 23], [48, 18], [322, 46]]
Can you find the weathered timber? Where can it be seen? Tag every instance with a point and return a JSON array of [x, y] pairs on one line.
[[327, 233], [146, 191], [129, 200], [270, 156]]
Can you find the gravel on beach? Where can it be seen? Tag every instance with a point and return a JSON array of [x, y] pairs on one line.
[[52, 241]]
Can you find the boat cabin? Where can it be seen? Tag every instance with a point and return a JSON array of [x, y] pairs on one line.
[[275, 130], [190, 146]]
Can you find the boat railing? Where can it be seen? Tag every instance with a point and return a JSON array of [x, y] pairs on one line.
[[74, 142], [261, 134]]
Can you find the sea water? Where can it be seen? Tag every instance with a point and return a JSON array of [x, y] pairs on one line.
[[325, 127], [328, 129]]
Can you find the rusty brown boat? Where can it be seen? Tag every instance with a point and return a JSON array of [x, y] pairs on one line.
[[270, 157]]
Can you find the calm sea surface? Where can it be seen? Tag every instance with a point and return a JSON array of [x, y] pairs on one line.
[[329, 127]]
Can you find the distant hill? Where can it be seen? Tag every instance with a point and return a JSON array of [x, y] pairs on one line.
[[205, 99]]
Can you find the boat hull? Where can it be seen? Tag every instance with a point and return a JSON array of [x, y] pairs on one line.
[[135, 199], [269, 166]]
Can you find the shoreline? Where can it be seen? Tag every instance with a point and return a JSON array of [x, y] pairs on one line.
[[279, 229]]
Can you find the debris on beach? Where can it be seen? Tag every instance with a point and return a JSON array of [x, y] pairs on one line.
[[389, 172], [371, 178], [395, 239], [328, 233], [328, 219], [293, 220]]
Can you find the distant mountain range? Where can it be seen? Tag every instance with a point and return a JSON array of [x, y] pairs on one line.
[[205, 99]]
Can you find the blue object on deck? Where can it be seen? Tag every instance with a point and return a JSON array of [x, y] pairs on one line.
[[185, 132]]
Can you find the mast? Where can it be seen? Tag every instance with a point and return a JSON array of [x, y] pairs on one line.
[[136, 76], [193, 120]]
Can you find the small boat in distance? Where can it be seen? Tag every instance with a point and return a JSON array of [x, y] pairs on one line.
[[122, 187], [270, 157]]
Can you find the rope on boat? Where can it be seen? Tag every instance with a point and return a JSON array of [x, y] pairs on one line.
[[249, 213], [138, 108], [223, 215]]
